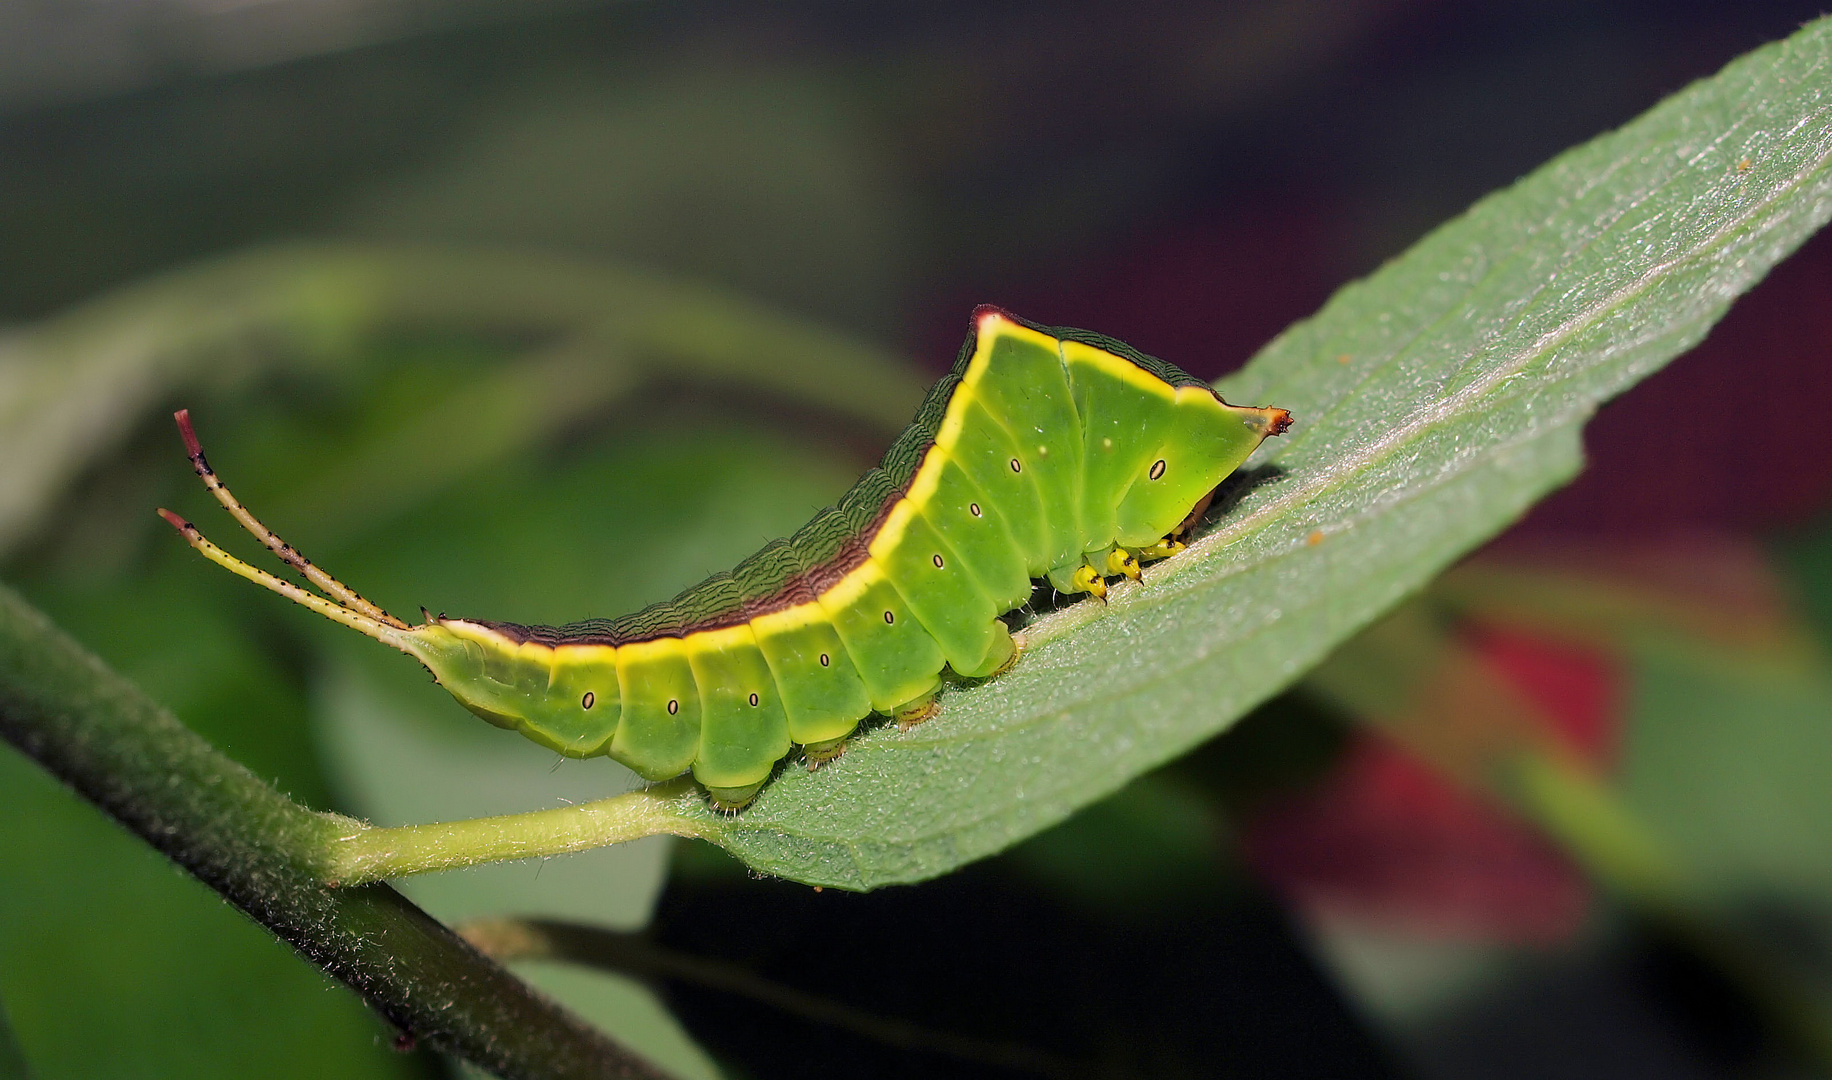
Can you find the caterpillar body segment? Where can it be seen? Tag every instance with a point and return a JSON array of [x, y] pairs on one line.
[[1047, 453]]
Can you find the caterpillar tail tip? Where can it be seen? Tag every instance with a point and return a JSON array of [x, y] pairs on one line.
[[187, 432]]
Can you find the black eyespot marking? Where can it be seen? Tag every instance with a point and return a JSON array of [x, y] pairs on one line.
[[1015, 467], [588, 700], [1157, 468], [974, 509], [938, 562], [889, 618], [825, 660], [673, 706], [753, 701]]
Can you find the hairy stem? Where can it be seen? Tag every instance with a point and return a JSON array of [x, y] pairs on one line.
[[364, 853], [104, 737]]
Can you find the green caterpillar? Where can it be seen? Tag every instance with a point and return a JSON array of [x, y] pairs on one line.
[[1047, 452]]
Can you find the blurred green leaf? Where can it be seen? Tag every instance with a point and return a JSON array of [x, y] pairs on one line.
[[1712, 824], [1155, 845], [1807, 559], [12, 1059], [1725, 744], [1730, 760], [627, 1008], [766, 176], [71, 386], [1434, 402], [115, 964], [1726, 761]]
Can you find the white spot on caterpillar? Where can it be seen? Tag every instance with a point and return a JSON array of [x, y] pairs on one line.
[[588, 700], [1015, 467], [673, 706], [937, 561], [1157, 468], [974, 509], [889, 619], [826, 661], [753, 701]]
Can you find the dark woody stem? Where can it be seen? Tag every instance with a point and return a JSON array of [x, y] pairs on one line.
[[104, 737]]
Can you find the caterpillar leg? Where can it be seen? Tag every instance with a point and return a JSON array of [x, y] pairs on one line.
[[1163, 549], [1087, 579], [1011, 658], [733, 799], [1195, 514], [820, 753], [1123, 562], [999, 659], [911, 713]]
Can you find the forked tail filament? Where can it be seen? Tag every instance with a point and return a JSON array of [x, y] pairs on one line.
[[345, 606]]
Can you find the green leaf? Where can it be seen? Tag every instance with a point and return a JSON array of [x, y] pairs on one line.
[[1435, 401]]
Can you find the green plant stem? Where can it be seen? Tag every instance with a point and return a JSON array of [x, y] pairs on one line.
[[104, 737], [365, 853]]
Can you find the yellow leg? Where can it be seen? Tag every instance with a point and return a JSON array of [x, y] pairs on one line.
[[1087, 579], [1121, 561], [1163, 549]]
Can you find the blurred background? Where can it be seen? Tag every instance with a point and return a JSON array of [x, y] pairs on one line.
[[540, 311]]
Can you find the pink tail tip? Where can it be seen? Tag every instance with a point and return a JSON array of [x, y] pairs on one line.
[[174, 520], [191, 445]]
